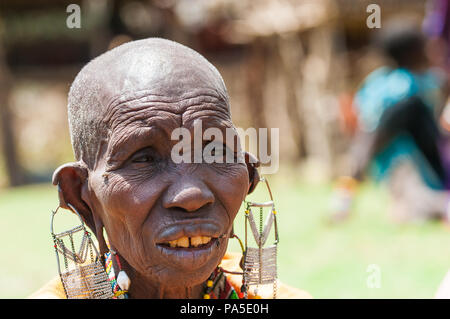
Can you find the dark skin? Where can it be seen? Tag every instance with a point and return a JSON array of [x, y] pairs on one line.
[[138, 195]]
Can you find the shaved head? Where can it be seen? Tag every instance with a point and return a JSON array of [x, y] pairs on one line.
[[150, 70]]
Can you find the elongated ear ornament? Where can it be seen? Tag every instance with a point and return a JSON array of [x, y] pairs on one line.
[[260, 262], [83, 275]]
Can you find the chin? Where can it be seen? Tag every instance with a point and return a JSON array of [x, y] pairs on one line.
[[171, 275]]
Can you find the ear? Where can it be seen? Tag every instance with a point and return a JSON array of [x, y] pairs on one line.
[[71, 179], [252, 166]]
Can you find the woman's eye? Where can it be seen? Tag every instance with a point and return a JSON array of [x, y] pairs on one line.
[[143, 156], [217, 152], [142, 159]]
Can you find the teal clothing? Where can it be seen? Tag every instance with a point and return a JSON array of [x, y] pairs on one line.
[[384, 88]]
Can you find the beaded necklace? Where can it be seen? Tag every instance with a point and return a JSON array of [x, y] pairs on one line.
[[217, 286], [118, 293]]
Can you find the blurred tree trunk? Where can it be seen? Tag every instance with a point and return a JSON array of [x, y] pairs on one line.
[[13, 169], [255, 78], [290, 54]]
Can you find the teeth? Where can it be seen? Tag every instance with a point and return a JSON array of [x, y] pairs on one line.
[[185, 242], [197, 240], [173, 243]]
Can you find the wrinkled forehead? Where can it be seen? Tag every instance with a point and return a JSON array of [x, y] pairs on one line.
[[157, 68]]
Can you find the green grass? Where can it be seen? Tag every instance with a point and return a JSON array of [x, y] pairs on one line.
[[328, 261]]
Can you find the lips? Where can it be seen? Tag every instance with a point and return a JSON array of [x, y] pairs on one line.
[[189, 244]]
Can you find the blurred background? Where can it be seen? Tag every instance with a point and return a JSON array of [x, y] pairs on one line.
[[295, 65]]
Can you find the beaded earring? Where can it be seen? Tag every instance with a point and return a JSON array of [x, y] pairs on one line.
[[260, 263], [84, 276], [122, 281]]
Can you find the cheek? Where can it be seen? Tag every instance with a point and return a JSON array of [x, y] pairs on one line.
[[126, 204], [130, 199], [231, 188]]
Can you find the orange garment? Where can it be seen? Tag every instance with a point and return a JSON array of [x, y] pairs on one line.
[[54, 289]]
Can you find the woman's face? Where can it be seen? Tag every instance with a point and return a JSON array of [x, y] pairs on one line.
[[165, 219]]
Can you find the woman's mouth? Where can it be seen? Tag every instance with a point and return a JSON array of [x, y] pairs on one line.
[[190, 245], [189, 242], [189, 257]]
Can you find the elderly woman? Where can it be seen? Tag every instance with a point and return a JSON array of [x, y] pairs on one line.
[[167, 224]]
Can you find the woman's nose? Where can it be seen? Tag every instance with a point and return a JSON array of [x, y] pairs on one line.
[[188, 195]]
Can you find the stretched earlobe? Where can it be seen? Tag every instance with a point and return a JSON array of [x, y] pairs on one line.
[[252, 166], [71, 179], [66, 176], [102, 245]]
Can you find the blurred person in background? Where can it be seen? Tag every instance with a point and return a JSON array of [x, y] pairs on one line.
[[398, 137]]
